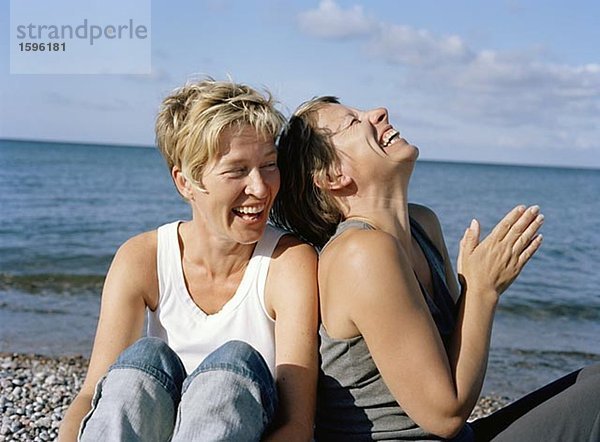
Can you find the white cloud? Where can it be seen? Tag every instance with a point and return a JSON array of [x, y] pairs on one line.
[[330, 21], [399, 44], [504, 90]]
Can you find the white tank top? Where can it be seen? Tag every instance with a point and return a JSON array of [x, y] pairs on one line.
[[193, 334]]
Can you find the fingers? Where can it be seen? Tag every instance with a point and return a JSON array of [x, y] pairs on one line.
[[521, 225], [504, 226], [525, 238], [475, 230], [471, 238], [533, 246], [525, 231], [469, 241]]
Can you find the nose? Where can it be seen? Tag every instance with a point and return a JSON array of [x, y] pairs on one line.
[[256, 185], [378, 115]]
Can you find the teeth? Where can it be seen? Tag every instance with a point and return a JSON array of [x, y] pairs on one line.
[[389, 136], [249, 210]]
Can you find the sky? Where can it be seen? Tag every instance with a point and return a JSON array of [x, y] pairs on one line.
[[505, 81]]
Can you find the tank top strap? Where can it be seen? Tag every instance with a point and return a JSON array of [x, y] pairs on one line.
[[167, 256], [347, 225], [431, 252], [266, 245], [441, 304], [262, 260]]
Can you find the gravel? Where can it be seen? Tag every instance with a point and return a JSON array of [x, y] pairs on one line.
[[35, 392]]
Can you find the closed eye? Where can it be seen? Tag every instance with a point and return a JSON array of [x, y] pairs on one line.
[[235, 173], [270, 166], [352, 122]]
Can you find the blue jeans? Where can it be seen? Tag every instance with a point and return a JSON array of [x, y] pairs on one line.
[[146, 396]]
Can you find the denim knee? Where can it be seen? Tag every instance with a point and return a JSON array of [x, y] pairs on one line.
[[154, 357], [241, 358]]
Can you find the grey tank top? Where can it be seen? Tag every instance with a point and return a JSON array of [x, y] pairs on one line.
[[353, 402]]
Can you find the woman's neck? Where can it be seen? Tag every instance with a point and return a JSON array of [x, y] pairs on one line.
[[384, 207], [219, 257]]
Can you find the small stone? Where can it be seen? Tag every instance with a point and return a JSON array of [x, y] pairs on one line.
[[50, 380], [8, 365], [46, 422]]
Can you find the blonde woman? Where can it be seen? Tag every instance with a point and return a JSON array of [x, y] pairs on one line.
[[230, 352]]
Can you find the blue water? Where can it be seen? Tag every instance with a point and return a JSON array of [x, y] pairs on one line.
[[65, 208]]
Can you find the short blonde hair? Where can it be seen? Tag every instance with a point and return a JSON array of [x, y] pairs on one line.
[[305, 155], [192, 118]]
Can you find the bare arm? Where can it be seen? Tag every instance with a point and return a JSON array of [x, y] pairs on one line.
[[131, 275], [486, 270], [472, 314], [437, 390], [293, 298]]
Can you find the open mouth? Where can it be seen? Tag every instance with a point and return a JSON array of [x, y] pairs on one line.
[[390, 136], [249, 213]]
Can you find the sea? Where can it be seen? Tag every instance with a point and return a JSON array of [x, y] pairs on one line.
[[66, 208]]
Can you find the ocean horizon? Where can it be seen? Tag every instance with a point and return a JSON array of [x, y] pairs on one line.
[[26, 141], [66, 208]]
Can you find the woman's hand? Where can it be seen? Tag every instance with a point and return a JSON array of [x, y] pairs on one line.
[[489, 267]]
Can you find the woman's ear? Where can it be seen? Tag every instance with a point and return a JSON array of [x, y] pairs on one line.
[[332, 180], [184, 186]]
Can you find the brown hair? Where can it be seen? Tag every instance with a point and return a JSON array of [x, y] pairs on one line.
[[305, 155]]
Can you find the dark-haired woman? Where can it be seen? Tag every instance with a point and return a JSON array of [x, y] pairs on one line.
[[403, 350]]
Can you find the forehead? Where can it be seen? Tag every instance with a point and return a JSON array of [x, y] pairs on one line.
[[243, 142], [333, 115]]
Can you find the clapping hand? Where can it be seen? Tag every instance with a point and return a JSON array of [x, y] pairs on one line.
[[489, 267]]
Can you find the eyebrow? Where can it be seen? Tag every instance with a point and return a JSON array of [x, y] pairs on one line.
[[234, 162]]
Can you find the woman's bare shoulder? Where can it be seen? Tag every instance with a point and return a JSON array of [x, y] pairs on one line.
[[356, 243], [290, 249], [140, 248], [134, 267], [356, 252]]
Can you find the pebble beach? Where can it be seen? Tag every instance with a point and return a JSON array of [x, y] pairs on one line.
[[35, 392]]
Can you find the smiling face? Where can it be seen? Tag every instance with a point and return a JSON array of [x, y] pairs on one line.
[[239, 186], [365, 140]]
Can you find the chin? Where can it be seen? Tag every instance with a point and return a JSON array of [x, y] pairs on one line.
[[248, 234], [408, 154], [416, 154]]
